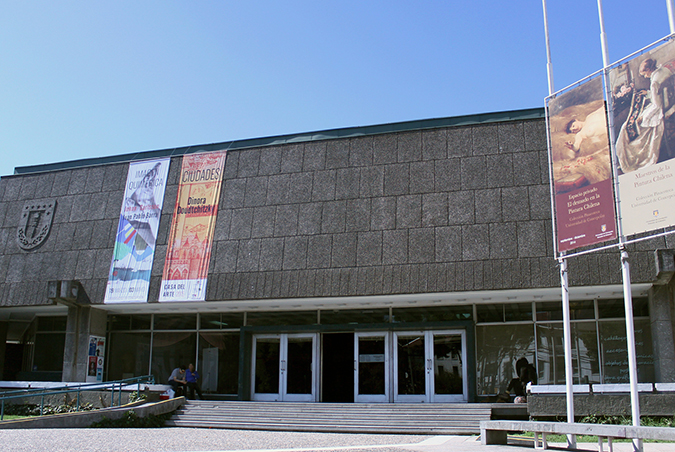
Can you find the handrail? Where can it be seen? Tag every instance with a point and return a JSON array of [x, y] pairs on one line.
[[67, 389]]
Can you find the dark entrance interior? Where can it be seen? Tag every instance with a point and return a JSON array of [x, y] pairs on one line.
[[13, 361], [338, 368]]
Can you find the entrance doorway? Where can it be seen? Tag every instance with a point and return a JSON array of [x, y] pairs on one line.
[[337, 380], [285, 367]]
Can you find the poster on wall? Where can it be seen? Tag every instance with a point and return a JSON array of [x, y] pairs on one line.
[[194, 219], [95, 359], [643, 95], [129, 277], [581, 166]]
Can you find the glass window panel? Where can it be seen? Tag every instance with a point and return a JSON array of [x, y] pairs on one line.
[[221, 321], [170, 350], [641, 307], [411, 364], [354, 316], [518, 312], [219, 362], [281, 318], [48, 352], [581, 310], [117, 322], [432, 314], [551, 353], [488, 313], [498, 347], [176, 322], [549, 310], [613, 309], [129, 356], [52, 323], [615, 351], [141, 322], [209, 322]]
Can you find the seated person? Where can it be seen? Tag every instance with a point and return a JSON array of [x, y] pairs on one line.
[[177, 380], [192, 378]]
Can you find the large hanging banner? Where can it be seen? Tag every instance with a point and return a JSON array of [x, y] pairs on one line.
[[581, 167], [643, 94], [194, 220], [134, 251]]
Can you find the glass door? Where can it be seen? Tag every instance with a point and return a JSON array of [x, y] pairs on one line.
[[284, 367], [371, 367], [430, 366], [410, 375], [448, 376], [299, 376]]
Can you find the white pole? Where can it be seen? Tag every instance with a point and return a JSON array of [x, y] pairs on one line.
[[630, 342], [671, 16], [625, 266], [567, 342], [549, 67], [603, 36], [567, 336]]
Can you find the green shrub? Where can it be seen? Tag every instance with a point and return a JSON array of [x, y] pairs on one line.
[[131, 420]]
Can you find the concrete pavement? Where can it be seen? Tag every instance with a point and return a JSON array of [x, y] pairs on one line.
[[216, 440]]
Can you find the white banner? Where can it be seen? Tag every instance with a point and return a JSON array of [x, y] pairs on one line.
[[129, 277]]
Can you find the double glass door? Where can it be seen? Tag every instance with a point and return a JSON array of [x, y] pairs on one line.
[[430, 366], [285, 367], [410, 366]]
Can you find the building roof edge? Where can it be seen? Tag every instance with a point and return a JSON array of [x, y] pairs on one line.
[[347, 132]]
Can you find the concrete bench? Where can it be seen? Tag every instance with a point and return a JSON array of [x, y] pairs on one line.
[[495, 432]]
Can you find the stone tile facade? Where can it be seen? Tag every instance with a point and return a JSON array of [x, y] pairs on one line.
[[445, 209]]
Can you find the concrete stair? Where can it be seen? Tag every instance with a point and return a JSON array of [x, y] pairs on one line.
[[399, 418]]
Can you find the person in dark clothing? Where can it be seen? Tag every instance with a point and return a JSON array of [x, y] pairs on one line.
[[192, 378], [177, 380]]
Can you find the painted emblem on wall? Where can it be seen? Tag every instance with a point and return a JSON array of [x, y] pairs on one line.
[[36, 222]]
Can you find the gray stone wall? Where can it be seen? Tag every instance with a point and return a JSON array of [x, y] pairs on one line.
[[438, 210]]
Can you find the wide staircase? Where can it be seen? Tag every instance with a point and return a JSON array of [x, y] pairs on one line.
[[399, 418]]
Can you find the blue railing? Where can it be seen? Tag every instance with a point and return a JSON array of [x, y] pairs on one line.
[[111, 386]]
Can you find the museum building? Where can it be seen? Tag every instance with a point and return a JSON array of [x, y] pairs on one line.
[[406, 262]]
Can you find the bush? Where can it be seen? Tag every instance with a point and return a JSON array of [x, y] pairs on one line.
[[131, 420], [30, 409]]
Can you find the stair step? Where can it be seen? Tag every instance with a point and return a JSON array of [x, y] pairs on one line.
[[320, 417]]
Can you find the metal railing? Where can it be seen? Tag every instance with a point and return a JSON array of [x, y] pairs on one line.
[[111, 386]]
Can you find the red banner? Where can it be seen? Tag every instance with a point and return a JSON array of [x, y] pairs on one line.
[[192, 227]]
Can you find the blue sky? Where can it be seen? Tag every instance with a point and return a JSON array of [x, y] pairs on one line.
[[82, 79]]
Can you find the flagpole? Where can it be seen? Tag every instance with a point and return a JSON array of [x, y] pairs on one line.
[[625, 265], [564, 281], [671, 15]]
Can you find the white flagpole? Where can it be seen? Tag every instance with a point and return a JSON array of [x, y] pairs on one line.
[[671, 16], [564, 282], [625, 266]]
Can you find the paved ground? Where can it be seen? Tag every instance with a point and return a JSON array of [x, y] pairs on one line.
[[214, 440]]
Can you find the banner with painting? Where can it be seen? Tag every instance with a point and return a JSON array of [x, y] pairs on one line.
[[581, 166], [194, 218], [643, 97], [134, 251]]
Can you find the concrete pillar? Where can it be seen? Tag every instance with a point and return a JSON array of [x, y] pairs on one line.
[[83, 321], [662, 325], [4, 327]]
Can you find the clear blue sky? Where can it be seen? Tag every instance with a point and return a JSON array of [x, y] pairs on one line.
[[82, 79]]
